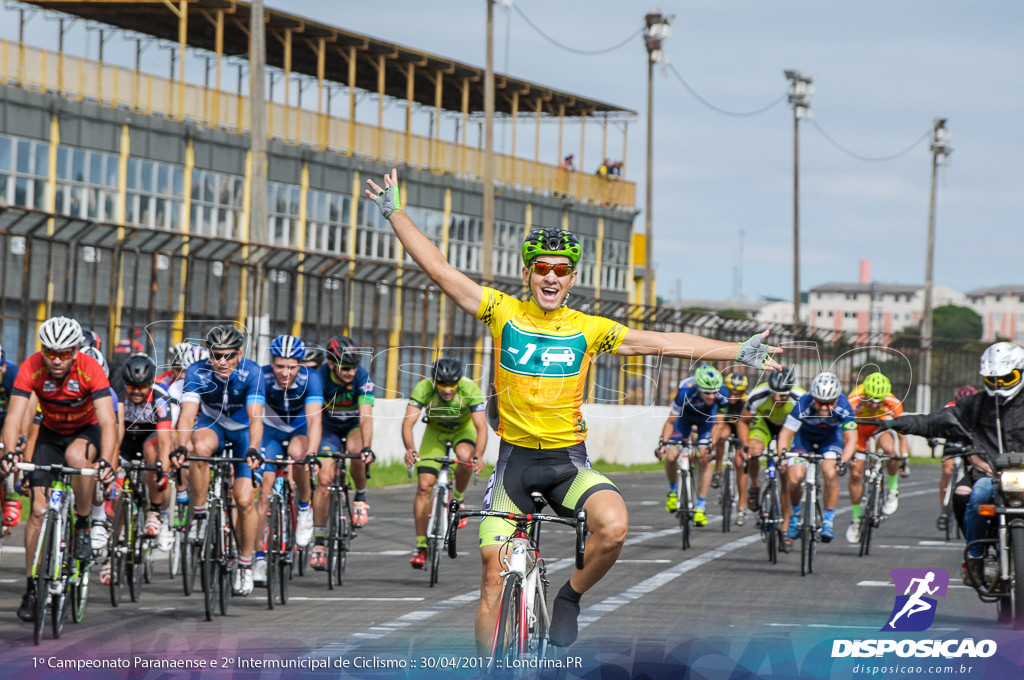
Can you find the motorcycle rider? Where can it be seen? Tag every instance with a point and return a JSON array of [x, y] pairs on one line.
[[994, 421]]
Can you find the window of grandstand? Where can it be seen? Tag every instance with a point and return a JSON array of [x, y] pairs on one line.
[[588, 262], [154, 195], [86, 184], [326, 221], [508, 243], [614, 265], [283, 212], [24, 167], [374, 237], [430, 223], [465, 234], [216, 206]]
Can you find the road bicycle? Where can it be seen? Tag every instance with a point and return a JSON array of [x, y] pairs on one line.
[[440, 497], [340, 530], [279, 539], [521, 632], [728, 494], [129, 549], [218, 549], [686, 486], [871, 515], [57, 576], [811, 517], [184, 553], [769, 519]]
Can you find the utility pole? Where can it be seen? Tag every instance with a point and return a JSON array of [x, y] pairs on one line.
[[486, 259], [800, 97], [657, 30], [940, 157], [258, 139]]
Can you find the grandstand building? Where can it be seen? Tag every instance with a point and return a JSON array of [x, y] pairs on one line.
[[124, 194]]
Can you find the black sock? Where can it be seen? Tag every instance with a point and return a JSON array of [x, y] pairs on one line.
[[30, 584], [565, 612], [83, 521]]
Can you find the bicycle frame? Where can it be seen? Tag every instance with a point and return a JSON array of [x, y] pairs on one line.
[[524, 578]]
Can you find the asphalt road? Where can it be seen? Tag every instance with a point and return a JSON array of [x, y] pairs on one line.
[[719, 607]]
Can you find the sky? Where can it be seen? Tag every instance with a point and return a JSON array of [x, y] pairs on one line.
[[883, 72]]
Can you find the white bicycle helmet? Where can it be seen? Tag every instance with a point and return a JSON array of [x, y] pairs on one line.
[[1001, 366], [60, 333], [176, 353], [98, 356], [825, 387], [193, 355]]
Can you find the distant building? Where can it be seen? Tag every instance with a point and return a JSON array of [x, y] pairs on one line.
[[1001, 309]]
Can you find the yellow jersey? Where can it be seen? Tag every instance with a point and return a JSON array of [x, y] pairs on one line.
[[540, 367]]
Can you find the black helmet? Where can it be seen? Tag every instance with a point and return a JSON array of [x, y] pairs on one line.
[[782, 380], [90, 338], [138, 370], [315, 354], [224, 337], [447, 371], [341, 350]]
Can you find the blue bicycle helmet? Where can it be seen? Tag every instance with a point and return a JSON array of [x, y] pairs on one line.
[[288, 347]]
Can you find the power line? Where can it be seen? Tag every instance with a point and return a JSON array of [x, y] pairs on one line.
[[870, 159], [568, 48], [717, 109]]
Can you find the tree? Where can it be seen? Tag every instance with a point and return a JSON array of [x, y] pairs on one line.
[[961, 325]]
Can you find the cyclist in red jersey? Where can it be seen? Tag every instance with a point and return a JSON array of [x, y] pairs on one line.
[[78, 423]]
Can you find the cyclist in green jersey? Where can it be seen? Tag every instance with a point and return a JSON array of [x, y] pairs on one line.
[[543, 353], [760, 421], [455, 413]]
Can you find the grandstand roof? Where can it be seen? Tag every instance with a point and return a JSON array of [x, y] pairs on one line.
[[157, 18]]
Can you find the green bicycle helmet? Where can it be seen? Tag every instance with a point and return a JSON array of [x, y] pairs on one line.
[[551, 242], [877, 386], [709, 379]]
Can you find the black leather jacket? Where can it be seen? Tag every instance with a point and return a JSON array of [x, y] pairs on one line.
[[996, 426]]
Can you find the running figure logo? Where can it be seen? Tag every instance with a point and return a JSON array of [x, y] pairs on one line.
[[914, 610]]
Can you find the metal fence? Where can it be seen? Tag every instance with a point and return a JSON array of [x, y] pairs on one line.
[[161, 287]]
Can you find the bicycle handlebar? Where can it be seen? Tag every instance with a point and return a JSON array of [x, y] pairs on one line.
[[221, 460], [579, 523], [33, 467]]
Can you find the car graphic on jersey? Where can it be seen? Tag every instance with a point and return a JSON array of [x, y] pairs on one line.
[[554, 355]]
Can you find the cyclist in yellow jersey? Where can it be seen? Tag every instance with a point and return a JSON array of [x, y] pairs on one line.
[[543, 351]]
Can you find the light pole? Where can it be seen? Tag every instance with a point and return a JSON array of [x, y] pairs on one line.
[[486, 262], [940, 156], [657, 30], [800, 97]]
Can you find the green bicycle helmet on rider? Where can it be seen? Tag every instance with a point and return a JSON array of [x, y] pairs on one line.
[[709, 379], [551, 241], [877, 387]]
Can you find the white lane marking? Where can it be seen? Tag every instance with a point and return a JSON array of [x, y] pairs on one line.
[[14, 549], [157, 610], [626, 562], [356, 599], [595, 612], [9, 580], [889, 584]]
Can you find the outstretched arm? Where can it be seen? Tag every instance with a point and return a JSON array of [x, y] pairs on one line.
[[753, 352], [464, 291]]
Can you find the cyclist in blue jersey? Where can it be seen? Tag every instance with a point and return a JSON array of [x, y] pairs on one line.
[[823, 417], [8, 372], [294, 401], [223, 401], [697, 401], [348, 412]]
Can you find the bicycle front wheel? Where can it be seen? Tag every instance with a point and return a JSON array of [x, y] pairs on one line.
[[807, 536], [190, 553], [683, 508], [771, 520], [228, 561], [119, 548], [334, 530], [79, 591], [867, 518], [345, 532], [210, 567], [435, 535], [137, 556], [537, 620], [273, 550], [508, 633], [44, 575], [58, 604], [728, 495]]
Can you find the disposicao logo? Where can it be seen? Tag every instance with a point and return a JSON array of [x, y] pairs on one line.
[[914, 610]]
